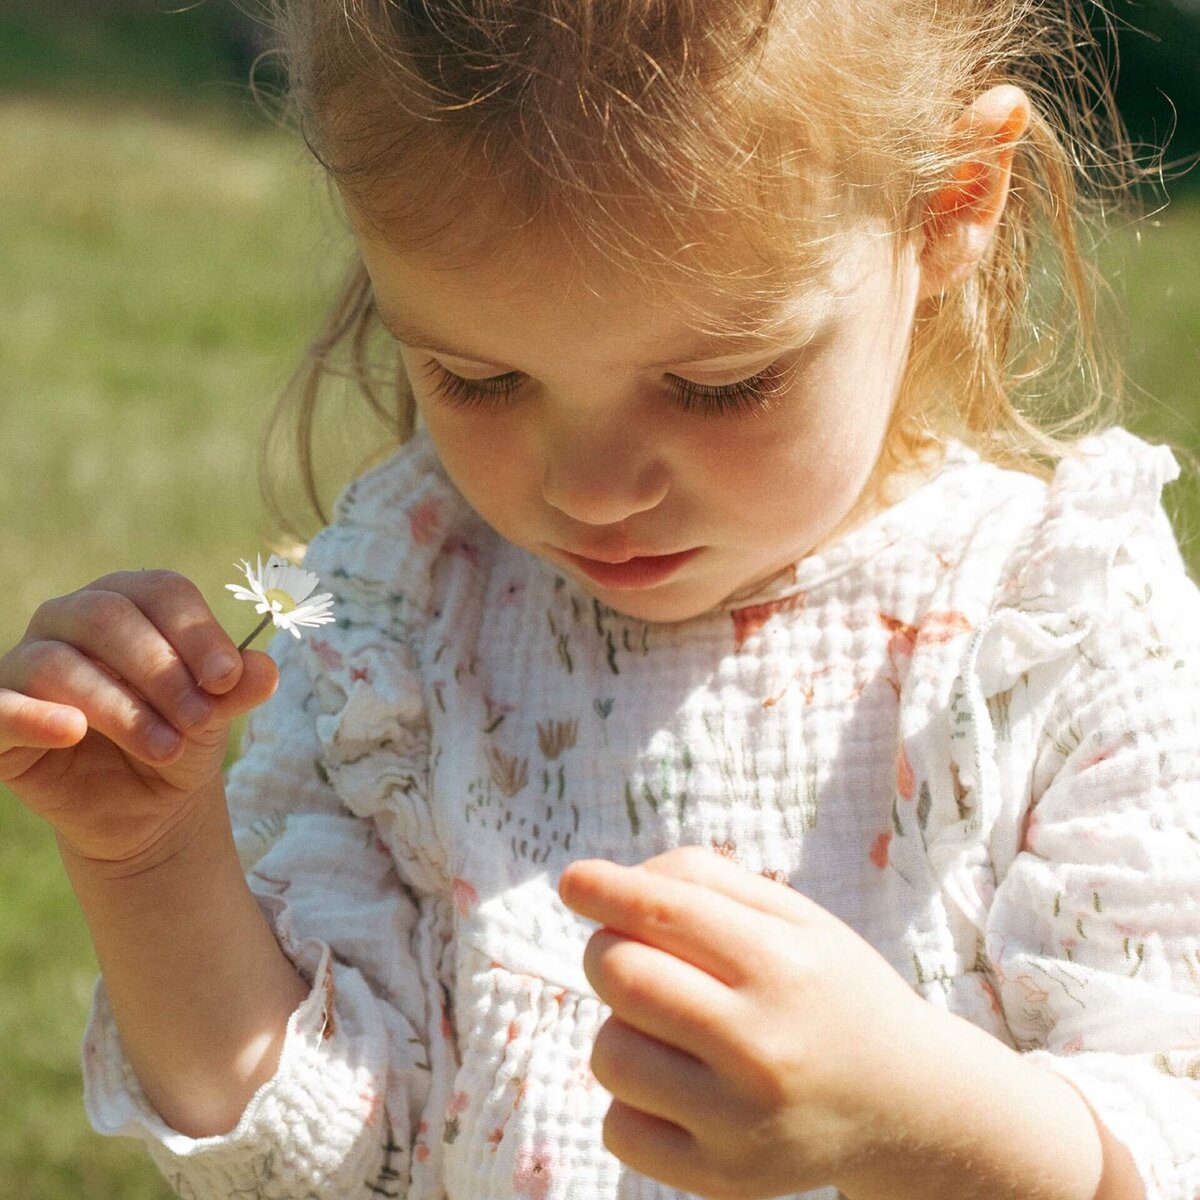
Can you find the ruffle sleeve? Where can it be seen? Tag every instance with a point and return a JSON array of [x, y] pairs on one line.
[[345, 736], [1076, 735]]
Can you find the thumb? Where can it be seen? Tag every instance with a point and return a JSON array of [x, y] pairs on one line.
[[259, 679]]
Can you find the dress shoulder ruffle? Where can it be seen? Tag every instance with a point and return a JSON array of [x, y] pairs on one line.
[[387, 558], [1103, 500]]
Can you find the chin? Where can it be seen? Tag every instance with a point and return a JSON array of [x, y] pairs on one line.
[[653, 605]]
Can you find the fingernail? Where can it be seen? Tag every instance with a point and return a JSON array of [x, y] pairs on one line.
[[194, 709], [163, 740], [219, 666]]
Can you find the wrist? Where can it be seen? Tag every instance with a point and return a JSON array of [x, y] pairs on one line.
[[200, 989], [976, 1119], [198, 827]]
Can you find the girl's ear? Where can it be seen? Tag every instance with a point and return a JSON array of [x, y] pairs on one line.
[[962, 217]]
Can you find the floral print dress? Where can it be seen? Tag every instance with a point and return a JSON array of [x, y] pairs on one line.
[[970, 730]]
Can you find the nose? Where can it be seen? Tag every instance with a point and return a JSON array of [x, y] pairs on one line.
[[599, 478]]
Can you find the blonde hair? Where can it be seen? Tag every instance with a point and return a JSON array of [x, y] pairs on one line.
[[650, 133]]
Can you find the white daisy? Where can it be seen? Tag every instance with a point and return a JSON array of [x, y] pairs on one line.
[[284, 593]]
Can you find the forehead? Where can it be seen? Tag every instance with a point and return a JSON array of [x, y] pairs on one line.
[[447, 302]]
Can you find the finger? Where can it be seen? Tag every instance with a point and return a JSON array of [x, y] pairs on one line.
[[660, 995], [176, 607], [258, 680], [111, 629], [698, 864], [689, 920], [651, 1076], [60, 675], [38, 724], [648, 1144]]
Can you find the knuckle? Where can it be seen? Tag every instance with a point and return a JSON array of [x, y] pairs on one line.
[[97, 613], [767, 1066], [662, 913], [48, 612], [43, 660], [615, 976], [630, 987], [159, 661], [113, 581], [168, 586]]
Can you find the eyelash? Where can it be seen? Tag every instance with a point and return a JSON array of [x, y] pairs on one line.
[[745, 396]]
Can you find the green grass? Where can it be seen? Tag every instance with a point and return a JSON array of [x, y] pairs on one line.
[[161, 282], [163, 273]]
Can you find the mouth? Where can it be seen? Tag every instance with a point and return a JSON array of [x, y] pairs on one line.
[[637, 571]]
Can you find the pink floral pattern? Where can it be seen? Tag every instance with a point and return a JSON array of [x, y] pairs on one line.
[[533, 1172]]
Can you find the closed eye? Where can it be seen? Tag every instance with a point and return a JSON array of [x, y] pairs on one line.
[[470, 393], [756, 393]]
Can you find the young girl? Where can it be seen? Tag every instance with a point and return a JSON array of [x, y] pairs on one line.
[[734, 770]]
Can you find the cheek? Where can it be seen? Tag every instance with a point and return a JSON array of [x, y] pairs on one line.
[[484, 455], [801, 469]]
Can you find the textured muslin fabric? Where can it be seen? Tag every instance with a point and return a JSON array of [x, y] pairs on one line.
[[970, 730]]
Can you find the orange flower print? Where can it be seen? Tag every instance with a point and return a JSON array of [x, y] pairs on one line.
[[940, 627], [371, 1102], [329, 658], [934, 629], [879, 849], [421, 1149], [465, 897], [423, 521], [532, 1172], [906, 781], [749, 620], [903, 639]]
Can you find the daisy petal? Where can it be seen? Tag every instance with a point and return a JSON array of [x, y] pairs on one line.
[[283, 593]]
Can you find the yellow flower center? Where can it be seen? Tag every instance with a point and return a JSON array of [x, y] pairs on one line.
[[280, 597]]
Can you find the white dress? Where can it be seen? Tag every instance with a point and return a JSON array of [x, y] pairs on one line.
[[970, 730]]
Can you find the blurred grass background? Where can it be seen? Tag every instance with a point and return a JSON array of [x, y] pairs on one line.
[[167, 254]]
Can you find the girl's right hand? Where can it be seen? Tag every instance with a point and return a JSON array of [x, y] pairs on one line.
[[115, 709]]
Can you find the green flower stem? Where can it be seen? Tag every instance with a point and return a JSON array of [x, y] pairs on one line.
[[255, 632]]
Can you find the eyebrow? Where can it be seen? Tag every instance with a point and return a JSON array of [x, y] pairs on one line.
[[791, 335], [412, 335]]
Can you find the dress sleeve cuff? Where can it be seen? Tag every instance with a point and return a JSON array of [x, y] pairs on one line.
[[1154, 1114], [311, 1124]]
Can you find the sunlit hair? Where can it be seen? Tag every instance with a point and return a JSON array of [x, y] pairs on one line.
[[652, 136]]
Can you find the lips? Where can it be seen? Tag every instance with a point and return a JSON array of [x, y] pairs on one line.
[[636, 571]]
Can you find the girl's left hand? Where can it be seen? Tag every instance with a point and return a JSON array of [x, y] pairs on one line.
[[757, 1045]]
